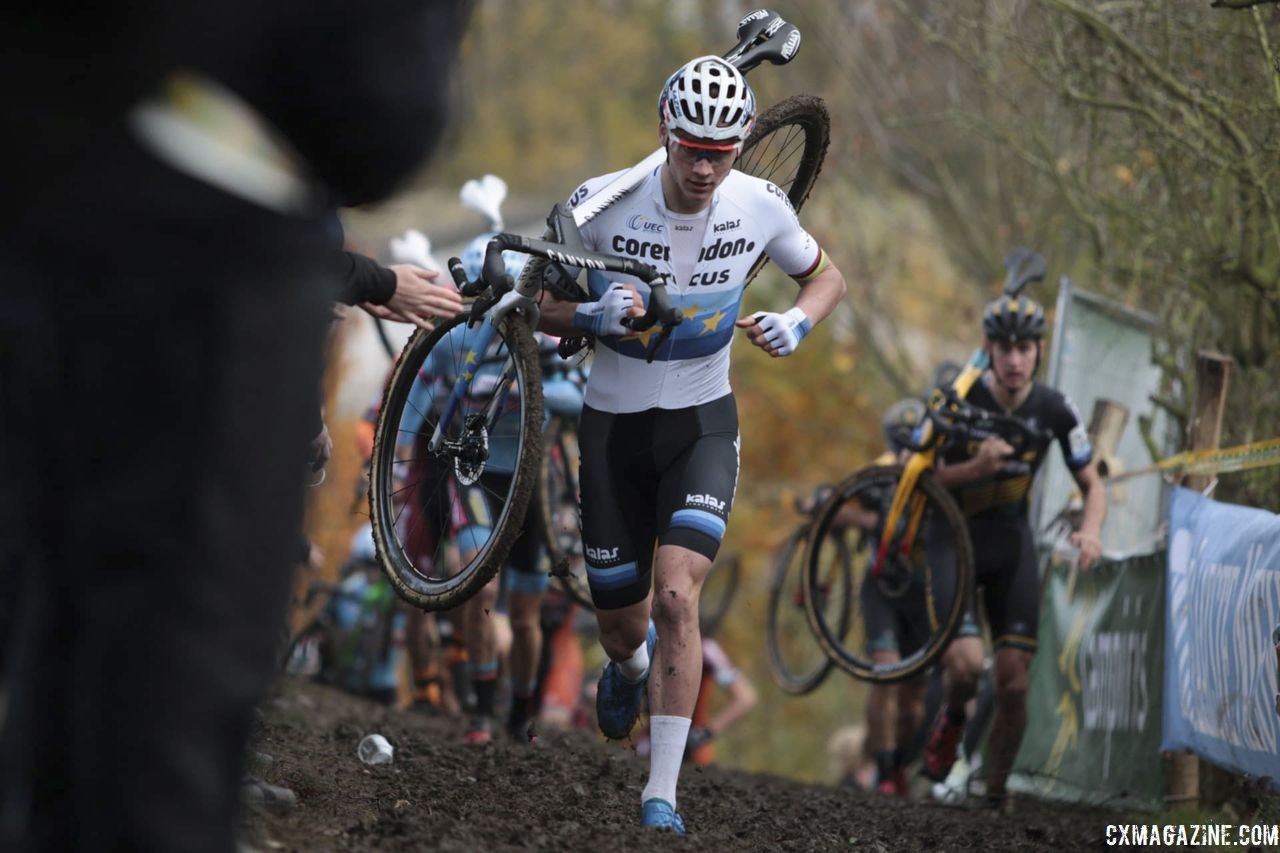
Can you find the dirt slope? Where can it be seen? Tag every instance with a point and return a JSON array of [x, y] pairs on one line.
[[575, 792]]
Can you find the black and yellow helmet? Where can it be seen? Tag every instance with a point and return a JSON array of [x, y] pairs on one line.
[[1013, 318], [900, 421]]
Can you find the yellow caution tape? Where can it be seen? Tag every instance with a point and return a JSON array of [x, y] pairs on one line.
[[1243, 457]]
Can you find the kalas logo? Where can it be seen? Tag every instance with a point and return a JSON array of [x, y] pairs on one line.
[[704, 500], [731, 225], [641, 223], [602, 555]]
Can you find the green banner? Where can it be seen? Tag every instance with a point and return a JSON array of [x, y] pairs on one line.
[[1094, 705]]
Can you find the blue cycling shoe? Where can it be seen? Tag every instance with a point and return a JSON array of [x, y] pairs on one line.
[[618, 700], [659, 814]]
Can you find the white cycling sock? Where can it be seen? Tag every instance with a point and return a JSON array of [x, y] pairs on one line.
[[667, 736], [635, 667]]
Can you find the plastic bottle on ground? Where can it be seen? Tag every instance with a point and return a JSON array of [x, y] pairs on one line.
[[374, 749]]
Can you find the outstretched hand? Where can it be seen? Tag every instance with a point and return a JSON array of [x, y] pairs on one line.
[[418, 299]]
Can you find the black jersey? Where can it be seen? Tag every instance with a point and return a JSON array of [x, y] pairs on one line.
[[1005, 494]]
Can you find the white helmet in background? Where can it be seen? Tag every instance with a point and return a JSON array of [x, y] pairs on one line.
[[708, 98], [414, 247]]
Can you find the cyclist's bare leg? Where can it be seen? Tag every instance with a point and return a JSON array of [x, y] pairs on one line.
[[526, 653], [1012, 673], [524, 609], [882, 715], [962, 665], [478, 624], [480, 630], [962, 668], [882, 709], [677, 673], [895, 712], [623, 630], [422, 639], [910, 710]]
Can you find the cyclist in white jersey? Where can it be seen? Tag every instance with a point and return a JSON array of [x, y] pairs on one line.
[[659, 441]]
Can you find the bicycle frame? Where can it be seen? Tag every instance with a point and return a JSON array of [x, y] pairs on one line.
[[513, 297], [919, 462]]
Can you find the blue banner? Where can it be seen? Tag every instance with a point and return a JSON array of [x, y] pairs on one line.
[[1223, 602]]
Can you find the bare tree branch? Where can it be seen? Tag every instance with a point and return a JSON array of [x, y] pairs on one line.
[[1241, 4], [1264, 41]]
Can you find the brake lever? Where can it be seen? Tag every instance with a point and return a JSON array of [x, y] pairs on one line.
[[660, 310], [657, 342]]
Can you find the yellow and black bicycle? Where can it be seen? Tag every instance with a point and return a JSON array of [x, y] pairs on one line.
[[918, 560]]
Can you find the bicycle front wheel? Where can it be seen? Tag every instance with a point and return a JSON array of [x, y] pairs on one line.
[[909, 604], [445, 517], [798, 664], [786, 147]]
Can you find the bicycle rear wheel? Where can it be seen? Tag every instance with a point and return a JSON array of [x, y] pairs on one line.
[[718, 591], [921, 592], [796, 660], [558, 507], [786, 147], [441, 530]]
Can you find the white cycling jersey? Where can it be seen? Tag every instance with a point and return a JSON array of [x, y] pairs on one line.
[[748, 216]]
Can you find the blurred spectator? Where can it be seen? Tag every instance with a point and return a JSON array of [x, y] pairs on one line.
[[718, 671], [850, 763], [165, 282]]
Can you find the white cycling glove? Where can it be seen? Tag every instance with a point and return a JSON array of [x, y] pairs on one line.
[[785, 331], [605, 317]]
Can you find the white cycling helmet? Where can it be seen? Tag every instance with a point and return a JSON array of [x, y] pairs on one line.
[[708, 98], [473, 258]]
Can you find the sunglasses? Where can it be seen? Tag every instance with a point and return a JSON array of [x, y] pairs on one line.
[[716, 155]]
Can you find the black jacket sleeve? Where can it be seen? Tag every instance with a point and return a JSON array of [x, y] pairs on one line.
[[366, 280]]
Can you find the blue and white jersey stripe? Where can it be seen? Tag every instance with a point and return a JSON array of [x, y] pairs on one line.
[[748, 217]]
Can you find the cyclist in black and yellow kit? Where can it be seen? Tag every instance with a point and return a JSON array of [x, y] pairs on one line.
[[895, 622], [991, 486]]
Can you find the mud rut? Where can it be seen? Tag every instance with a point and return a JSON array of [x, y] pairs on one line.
[[576, 792]]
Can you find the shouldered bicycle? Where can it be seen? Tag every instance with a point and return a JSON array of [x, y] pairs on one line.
[[466, 398], [915, 521]]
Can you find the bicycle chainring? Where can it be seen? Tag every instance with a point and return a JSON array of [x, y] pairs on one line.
[[895, 576]]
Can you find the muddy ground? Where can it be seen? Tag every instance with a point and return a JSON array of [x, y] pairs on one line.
[[576, 792]]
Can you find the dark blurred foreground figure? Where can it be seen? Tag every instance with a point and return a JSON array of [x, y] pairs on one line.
[[165, 281]]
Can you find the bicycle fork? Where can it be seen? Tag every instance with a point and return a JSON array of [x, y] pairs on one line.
[[463, 384], [905, 500]]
